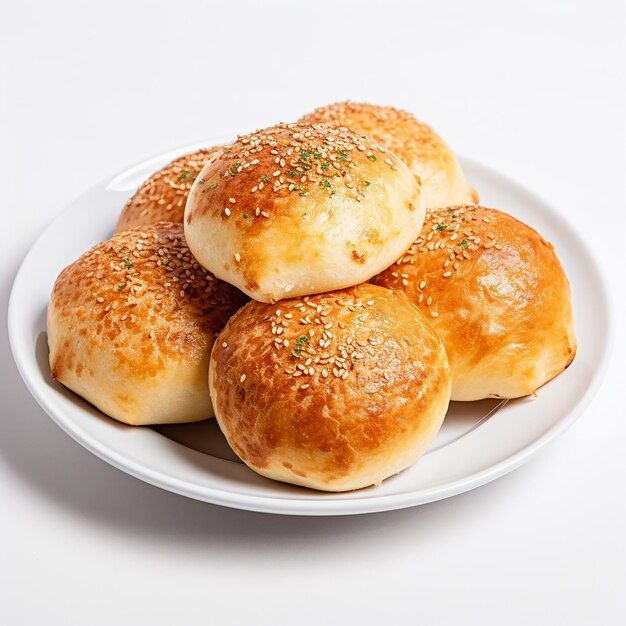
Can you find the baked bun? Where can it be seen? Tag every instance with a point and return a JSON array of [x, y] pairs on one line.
[[298, 209], [496, 294], [335, 392], [424, 152], [131, 325], [162, 197]]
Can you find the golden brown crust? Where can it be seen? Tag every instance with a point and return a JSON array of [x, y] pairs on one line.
[[297, 209], [162, 197], [495, 292], [424, 152], [131, 324], [335, 391]]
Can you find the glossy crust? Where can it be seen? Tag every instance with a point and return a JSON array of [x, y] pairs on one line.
[[131, 325], [497, 296], [162, 197], [425, 153], [296, 209], [334, 392]]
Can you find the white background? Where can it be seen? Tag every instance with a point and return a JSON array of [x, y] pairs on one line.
[[535, 90]]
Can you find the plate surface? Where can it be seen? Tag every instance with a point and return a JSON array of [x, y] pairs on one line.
[[479, 441]]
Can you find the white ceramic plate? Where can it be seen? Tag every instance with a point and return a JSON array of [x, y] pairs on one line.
[[479, 441]]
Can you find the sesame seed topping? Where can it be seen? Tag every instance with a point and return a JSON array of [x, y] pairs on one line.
[[242, 378]]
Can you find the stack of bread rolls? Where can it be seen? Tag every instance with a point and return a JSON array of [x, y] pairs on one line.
[[323, 287]]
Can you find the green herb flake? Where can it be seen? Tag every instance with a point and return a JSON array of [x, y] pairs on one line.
[[120, 286], [343, 156], [245, 216], [463, 244], [316, 155], [451, 212], [367, 183], [184, 175], [212, 185], [294, 173], [441, 227], [325, 165], [371, 158], [325, 183], [300, 341], [227, 148], [265, 179], [304, 155], [128, 263], [233, 170]]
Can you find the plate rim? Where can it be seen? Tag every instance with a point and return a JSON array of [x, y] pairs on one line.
[[304, 506]]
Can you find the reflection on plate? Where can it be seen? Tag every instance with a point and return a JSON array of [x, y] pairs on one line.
[[478, 442]]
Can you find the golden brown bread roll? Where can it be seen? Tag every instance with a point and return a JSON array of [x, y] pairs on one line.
[[335, 391], [497, 296], [162, 197], [425, 153], [131, 325], [298, 209]]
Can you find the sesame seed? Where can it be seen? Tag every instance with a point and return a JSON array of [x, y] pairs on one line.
[[227, 211], [243, 377], [434, 314], [224, 344], [237, 257]]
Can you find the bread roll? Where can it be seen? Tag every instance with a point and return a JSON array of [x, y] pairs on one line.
[[131, 325], [424, 152], [297, 209], [496, 294], [162, 197], [335, 392]]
